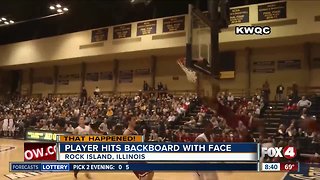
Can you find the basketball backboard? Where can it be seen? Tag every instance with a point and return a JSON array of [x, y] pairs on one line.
[[198, 45]]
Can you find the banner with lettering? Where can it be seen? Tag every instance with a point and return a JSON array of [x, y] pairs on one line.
[[289, 64], [173, 24], [126, 76], [142, 72], [99, 35], [315, 63], [63, 82], [271, 11], [92, 76], [146, 28], [108, 75], [263, 67], [73, 77], [239, 15], [123, 31], [47, 80], [37, 79]]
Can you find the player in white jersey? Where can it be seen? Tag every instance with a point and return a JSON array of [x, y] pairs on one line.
[[5, 125], [82, 129], [141, 175], [206, 137], [11, 127]]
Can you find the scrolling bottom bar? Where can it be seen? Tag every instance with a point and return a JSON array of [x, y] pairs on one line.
[[134, 166]]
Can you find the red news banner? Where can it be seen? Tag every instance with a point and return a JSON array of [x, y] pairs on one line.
[[39, 151], [43, 151], [289, 166]]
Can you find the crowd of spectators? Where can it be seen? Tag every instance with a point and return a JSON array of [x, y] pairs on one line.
[[162, 117], [156, 113], [242, 105]]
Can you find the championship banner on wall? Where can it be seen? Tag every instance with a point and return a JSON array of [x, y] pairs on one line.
[[272, 11], [108, 75], [123, 31], [315, 63], [146, 28], [63, 76], [92, 76], [173, 24], [73, 77], [142, 72], [63, 79], [239, 15], [99, 35], [263, 67], [63, 82], [126, 76], [37, 79], [289, 64], [47, 80]]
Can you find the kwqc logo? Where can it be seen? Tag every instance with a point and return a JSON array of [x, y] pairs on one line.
[[289, 152], [252, 30]]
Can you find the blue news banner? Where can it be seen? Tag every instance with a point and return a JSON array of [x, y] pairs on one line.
[[66, 167], [157, 152], [158, 147]]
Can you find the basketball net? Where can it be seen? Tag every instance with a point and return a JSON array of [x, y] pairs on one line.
[[191, 75]]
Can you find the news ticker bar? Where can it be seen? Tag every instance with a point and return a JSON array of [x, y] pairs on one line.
[[65, 167]]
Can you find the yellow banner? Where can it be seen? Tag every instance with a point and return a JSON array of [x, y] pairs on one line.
[[100, 138]]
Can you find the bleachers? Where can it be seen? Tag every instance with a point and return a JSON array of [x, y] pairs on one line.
[[272, 118]]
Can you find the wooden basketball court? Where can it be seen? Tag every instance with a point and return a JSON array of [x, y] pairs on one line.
[[12, 150]]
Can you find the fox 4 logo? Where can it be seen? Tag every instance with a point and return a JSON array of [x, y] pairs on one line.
[[289, 152]]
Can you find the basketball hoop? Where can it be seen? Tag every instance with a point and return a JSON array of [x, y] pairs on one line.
[[191, 75]]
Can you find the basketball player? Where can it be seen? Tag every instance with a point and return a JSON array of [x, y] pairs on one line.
[[141, 175], [82, 130], [11, 126], [206, 137], [5, 125]]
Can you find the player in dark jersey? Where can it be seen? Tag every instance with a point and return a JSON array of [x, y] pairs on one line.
[[141, 175]]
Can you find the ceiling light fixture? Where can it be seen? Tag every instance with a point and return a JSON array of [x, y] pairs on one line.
[[59, 8], [145, 2], [5, 21]]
